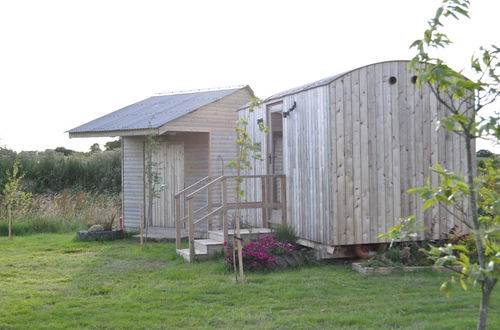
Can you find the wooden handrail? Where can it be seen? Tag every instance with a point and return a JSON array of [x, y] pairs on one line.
[[246, 205], [223, 206], [205, 217], [257, 176], [191, 186], [196, 212], [178, 220], [208, 185]]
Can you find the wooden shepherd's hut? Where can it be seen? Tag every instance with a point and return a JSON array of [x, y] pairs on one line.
[[350, 146]]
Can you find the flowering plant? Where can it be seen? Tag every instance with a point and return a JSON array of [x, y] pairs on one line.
[[260, 254]]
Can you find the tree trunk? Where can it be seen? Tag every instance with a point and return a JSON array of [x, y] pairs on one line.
[[472, 201], [238, 225], [487, 284], [240, 248], [486, 288]]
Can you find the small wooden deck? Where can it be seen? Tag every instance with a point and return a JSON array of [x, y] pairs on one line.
[[159, 233]]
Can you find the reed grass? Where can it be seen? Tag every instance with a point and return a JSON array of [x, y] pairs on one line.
[[61, 212]]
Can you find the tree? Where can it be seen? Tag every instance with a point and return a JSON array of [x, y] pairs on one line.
[[152, 176], [64, 151], [112, 145], [246, 152], [484, 153], [464, 98], [15, 198], [95, 148]]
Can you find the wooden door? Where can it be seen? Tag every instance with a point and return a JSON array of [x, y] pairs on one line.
[[169, 164]]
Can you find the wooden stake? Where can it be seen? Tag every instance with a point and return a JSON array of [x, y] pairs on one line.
[[142, 227], [10, 221], [238, 225], [178, 222], [240, 253]]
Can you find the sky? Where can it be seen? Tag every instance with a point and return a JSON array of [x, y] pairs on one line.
[[64, 63]]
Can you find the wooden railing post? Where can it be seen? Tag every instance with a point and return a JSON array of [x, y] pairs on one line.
[[225, 228], [263, 181], [283, 199], [209, 206], [177, 222], [190, 229]]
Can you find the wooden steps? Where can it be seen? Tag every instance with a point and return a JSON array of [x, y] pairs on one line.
[[214, 245]]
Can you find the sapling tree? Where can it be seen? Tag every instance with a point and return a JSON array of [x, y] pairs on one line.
[[14, 197], [464, 99], [246, 153], [152, 177]]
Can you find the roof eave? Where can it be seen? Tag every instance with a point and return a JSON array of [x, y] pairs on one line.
[[145, 131], [137, 132]]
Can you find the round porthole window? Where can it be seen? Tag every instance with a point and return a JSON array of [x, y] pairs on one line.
[[392, 80], [414, 79]]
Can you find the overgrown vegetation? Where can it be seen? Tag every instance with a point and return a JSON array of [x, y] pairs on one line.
[[50, 281], [71, 190], [52, 171], [61, 212]]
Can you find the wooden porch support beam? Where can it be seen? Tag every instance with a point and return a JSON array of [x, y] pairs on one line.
[[190, 229], [283, 199]]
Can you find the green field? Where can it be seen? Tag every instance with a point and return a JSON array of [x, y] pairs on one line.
[[50, 281]]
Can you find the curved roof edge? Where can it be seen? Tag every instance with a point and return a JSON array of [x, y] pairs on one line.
[[321, 82]]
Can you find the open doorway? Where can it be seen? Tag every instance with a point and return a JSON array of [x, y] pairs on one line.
[[275, 157]]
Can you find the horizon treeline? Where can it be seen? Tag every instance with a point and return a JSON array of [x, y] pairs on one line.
[[61, 169]]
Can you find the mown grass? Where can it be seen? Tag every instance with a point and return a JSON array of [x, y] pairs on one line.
[[50, 281]]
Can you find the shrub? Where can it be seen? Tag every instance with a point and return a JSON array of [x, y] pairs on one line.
[[285, 233], [399, 255], [260, 254]]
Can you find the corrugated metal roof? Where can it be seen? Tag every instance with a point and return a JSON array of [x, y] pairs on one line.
[[153, 112], [318, 83], [322, 82]]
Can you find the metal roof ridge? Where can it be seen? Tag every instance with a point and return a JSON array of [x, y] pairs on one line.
[[200, 90]]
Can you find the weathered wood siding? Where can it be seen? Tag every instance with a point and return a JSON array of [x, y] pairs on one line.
[[219, 119], [354, 147], [384, 143], [132, 180], [306, 157], [208, 136]]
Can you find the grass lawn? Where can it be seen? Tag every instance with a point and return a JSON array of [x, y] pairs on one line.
[[50, 281]]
